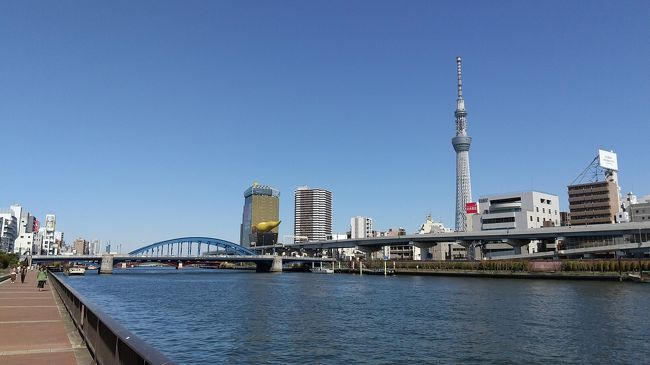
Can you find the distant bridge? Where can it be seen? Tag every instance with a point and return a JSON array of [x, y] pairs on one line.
[[186, 250], [185, 245], [572, 240]]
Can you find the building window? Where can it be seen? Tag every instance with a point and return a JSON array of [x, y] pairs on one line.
[[537, 209], [537, 219], [543, 210], [498, 220], [531, 218]]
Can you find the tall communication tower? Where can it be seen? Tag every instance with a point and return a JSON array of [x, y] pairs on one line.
[[461, 145]]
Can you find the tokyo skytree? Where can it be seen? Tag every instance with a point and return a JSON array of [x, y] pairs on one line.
[[461, 145]]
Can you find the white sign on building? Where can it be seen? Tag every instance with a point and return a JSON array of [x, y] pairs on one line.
[[607, 160]]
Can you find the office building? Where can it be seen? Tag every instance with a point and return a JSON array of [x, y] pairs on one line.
[[516, 211], [313, 214], [360, 227], [48, 245], [593, 203], [531, 209], [402, 252], [8, 230], [261, 204], [639, 212], [25, 236], [565, 219], [37, 245], [94, 247], [80, 247]]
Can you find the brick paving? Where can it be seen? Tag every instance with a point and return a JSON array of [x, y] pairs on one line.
[[35, 328]]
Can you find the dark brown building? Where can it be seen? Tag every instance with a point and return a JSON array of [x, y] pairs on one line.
[[593, 203]]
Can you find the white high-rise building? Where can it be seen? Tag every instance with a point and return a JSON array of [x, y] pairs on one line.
[[313, 214], [8, 230], [25, 235], [49, 246], [95, 247], [9, 227], [360, 227]]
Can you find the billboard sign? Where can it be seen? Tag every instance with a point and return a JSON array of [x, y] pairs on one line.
[[36, 225], [471, 208], [607, 160], [50, 222]]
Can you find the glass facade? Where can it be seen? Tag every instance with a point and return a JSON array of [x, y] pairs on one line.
[[261, 204]]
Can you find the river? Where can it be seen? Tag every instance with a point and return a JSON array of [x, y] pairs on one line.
[[197, 316]]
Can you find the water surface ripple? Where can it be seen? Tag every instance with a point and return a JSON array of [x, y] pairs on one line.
[[213, 316]]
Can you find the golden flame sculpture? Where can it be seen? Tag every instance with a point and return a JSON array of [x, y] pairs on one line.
[[267, 226]]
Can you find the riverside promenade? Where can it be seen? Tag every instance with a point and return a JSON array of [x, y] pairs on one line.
[[35, 328]]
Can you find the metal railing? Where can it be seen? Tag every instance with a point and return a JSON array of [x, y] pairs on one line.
[[108, 341]]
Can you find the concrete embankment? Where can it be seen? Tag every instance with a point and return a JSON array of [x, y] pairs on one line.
[[499, 274], [608, 276]]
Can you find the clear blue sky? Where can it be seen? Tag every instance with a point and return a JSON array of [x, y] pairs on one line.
[[138, 121]]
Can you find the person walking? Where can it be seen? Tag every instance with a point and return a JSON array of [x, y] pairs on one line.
[[13, 274], [23, 273], [41, 277]]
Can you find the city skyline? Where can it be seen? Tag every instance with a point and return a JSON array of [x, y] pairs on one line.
[[126, 133]]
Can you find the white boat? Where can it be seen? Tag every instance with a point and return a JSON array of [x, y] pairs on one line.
[[74, 270], [322, 270]]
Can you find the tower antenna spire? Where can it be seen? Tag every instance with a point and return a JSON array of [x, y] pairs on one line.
[[459, 71]]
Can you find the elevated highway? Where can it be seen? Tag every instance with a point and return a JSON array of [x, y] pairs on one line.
[[572, 240]]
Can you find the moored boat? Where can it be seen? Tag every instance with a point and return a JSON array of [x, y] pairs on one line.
[[76, 270], [641, 277]]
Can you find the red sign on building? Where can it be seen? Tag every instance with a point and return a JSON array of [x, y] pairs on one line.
[[471, 208]]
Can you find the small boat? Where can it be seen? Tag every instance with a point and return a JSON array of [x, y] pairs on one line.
[[91, 267], [322, 270], [640, 277], [76, 270]]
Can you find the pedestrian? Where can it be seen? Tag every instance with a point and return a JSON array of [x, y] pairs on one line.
[[41, 277], [23, 273], [13, 274]]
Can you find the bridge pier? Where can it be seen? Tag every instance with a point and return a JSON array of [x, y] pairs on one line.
[[179, 265], [106, 264], [516, 244], [270, 266]]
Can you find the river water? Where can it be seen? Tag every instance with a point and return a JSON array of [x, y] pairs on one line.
[[199, 316]]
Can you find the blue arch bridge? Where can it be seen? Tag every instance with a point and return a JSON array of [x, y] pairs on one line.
[[185, 251]]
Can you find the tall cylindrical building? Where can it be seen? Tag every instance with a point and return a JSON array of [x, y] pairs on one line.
[[313, 214]]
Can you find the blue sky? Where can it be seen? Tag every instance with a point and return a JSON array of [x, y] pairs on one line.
[[140, 121]]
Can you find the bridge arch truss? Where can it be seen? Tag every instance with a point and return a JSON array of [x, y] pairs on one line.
[[192, 246]]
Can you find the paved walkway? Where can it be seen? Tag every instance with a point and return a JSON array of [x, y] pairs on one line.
[[35, 328]]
